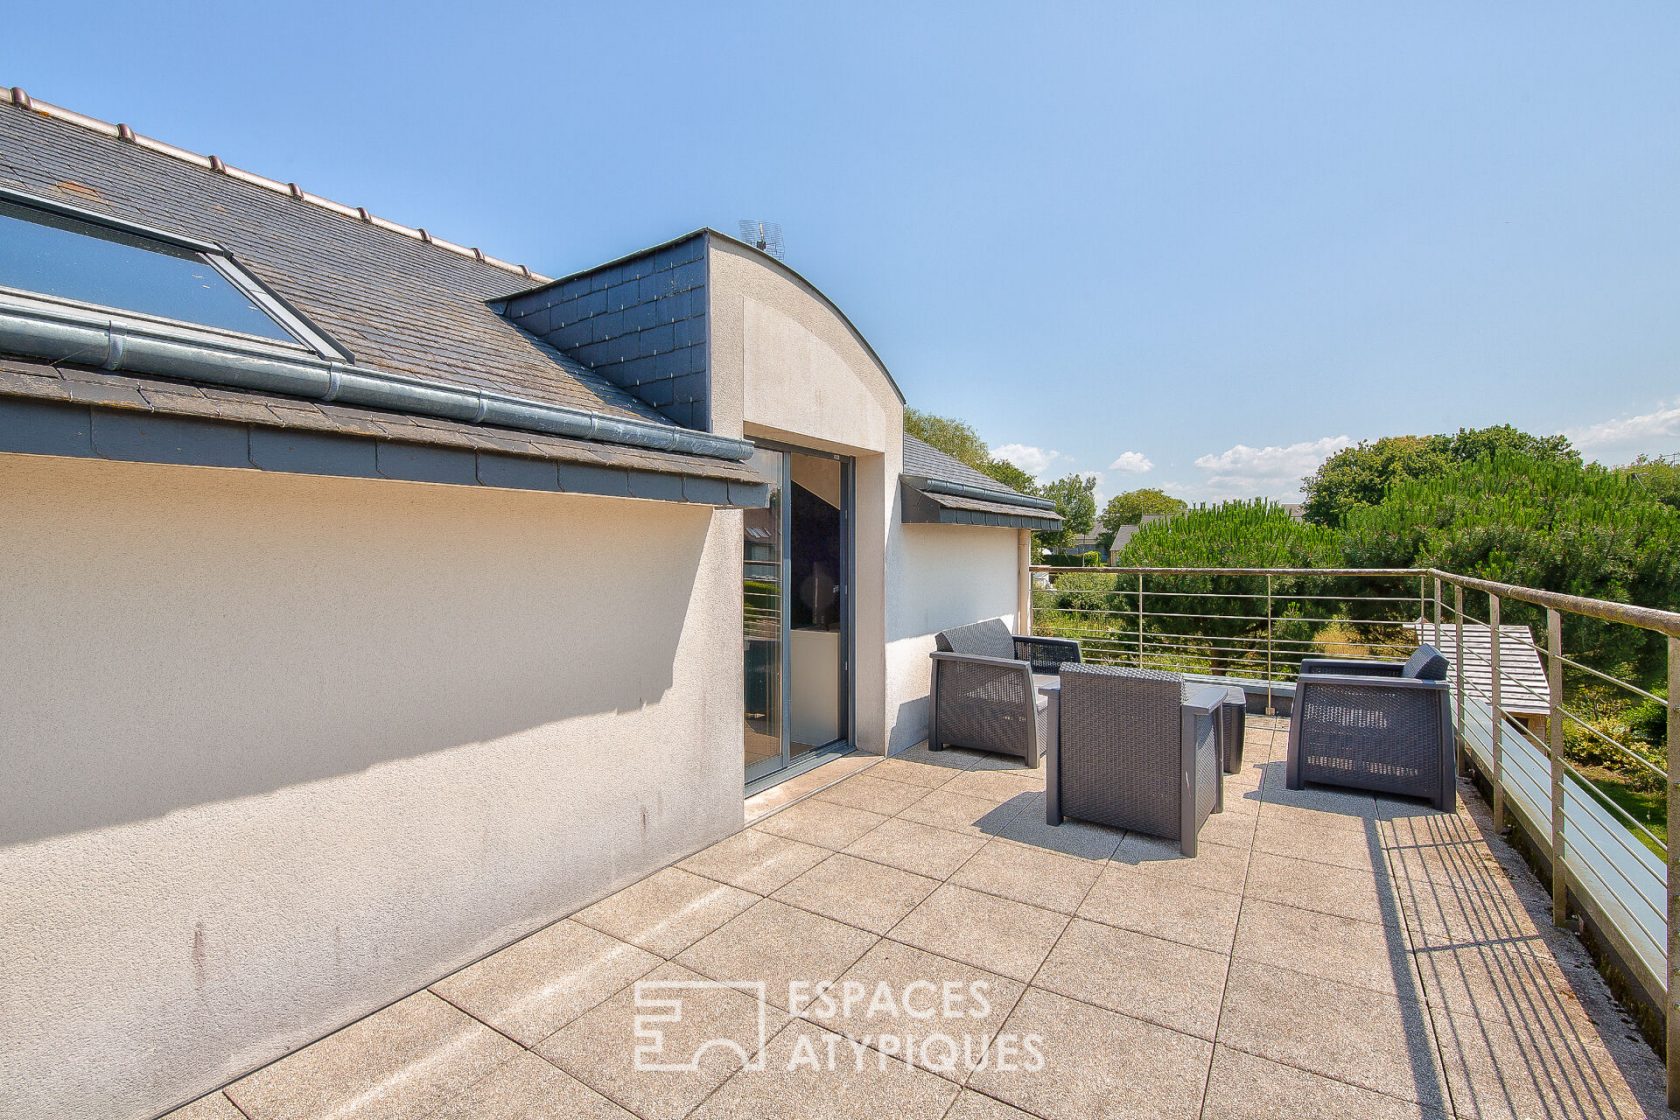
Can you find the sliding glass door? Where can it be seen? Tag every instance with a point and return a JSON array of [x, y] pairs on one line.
[[796, 599]]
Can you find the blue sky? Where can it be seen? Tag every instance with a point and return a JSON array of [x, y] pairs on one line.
[[1216, 240]]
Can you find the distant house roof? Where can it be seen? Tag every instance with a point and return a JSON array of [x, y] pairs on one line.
[[398, 301], [1523, 687], [940, 489]]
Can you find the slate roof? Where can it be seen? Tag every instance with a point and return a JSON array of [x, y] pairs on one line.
[[397, 303], [923, 460], [1001, 505]]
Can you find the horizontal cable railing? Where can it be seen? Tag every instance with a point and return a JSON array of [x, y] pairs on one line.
[[1573, 745]]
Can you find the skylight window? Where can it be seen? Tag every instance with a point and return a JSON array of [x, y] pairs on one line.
[[51, 251]]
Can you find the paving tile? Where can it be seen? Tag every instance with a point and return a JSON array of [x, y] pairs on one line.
[[974, 816], [1029, 874], [1462, 864], [1439, 916], [539, 984], [995, 785], [858, 892], [1147, 903], [822, 823], [1322, 887], [1367, 954], [1097, 1064], [1244, 1087], [975, 1106], [755, 861], [1510, 984], [404, 1061], [779, 945], [1233, 828], [813, 1074], [1217, 867], [666, 912], [216, 1106], [766, 802], [1012, 762], [1161, 982], [921, 848], [997, 934], [1371, 1039], [529, 1088], [1071, 837], [1526, 1072], [600, 1048], [943, 1013], [877, 795], [1357, 849], [924, 774], [1330, 807], [951, 758]]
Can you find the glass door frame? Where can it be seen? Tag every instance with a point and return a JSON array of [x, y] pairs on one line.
[[786, 765]]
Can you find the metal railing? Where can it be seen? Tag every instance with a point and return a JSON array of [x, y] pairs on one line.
[[1549, 730]]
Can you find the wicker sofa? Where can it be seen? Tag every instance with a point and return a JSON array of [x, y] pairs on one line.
[[1136, 749], [984, 691], [1384, 726]]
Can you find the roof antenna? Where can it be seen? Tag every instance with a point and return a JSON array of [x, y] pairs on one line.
[[766, 237]]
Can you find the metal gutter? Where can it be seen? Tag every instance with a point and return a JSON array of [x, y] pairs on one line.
[[65, 334], [979, 494]]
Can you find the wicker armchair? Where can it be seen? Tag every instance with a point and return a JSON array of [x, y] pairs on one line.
[[1384, 726], [983, 692], [1136, 749]]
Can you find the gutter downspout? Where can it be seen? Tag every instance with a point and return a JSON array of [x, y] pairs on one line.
[[68, 335]]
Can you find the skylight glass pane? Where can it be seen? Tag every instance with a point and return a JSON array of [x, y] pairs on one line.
[[57, 255]]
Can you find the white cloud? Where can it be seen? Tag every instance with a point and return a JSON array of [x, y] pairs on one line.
[[1132, 462], [1622, 438], [1034, 460], [1263, 472]]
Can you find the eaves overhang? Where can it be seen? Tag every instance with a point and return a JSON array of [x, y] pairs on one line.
[[936, 502]]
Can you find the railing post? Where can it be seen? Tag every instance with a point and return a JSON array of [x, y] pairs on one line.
[[1437, 642], [1671, 1013], [1458, 673], [1140, 621], [1554, 736], [1498, 775], [1271, 707]]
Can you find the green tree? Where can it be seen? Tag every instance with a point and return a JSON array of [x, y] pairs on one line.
[[1002, 470], [955, 438], [1468, 444], [1221, 621], [963, 443], [1361, 475], [1132, 507], [1554, 524], [1658, 476], [1076, 500]]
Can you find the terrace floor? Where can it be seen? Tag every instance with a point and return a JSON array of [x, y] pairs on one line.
[[1326, 955]]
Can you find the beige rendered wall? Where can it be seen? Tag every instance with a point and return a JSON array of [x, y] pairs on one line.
[[947, 575], [280, 749], [787, 366]]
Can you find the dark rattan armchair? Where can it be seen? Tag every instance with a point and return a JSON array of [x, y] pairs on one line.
[[1136, 749], [984, 695], [1384, 726]]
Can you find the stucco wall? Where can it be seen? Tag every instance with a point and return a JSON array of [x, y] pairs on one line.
[[947, 575], [787, 366], [280, 750]]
